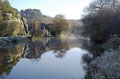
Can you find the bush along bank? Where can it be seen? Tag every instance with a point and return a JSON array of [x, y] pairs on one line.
[[107, 65]]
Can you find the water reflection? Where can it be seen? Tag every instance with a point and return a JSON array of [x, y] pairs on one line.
[[9, 57], [56, 55], [35, 49], [94, 50], [59, 46]]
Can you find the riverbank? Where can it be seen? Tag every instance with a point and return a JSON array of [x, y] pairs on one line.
[[72, 36], [7, 41], [107, 66]]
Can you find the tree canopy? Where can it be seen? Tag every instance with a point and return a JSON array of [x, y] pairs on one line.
[[61, 25], [102, 19]]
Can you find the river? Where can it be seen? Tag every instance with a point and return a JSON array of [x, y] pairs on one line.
[[47, 58]]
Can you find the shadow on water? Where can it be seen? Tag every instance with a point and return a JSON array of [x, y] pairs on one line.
[[11, 55]]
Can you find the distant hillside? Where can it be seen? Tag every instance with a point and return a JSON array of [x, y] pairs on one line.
[[76, 26], [35, 14]]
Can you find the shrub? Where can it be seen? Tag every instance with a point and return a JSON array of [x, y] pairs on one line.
[[102, 20], [10, 28]]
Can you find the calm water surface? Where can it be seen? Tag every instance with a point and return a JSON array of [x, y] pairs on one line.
[[43, 59]]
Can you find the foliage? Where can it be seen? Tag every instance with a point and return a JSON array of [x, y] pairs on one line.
[[8, 24], [31, 14], [35, 14], [61, 25], [35, 29], [8, 59], [9, 29], [102, 20], [51, 29], [7, 8], [76, 26], [59, 46], [107, 66], [38, 33]]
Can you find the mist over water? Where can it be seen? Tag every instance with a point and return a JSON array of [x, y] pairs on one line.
[[48, 58]]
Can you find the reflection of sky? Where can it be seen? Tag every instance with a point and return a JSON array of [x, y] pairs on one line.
[[50, 67], [70, 8]]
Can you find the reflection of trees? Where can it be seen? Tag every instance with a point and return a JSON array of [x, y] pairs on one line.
[[10, 55], [87, 58], [59, 46], [8, 59], [94, 50], [37, 48]]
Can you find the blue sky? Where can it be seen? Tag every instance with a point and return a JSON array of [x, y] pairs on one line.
[[72, 9]]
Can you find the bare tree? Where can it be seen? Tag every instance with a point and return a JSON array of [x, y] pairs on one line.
[[97, 5], [102, 19], [60, 16]]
